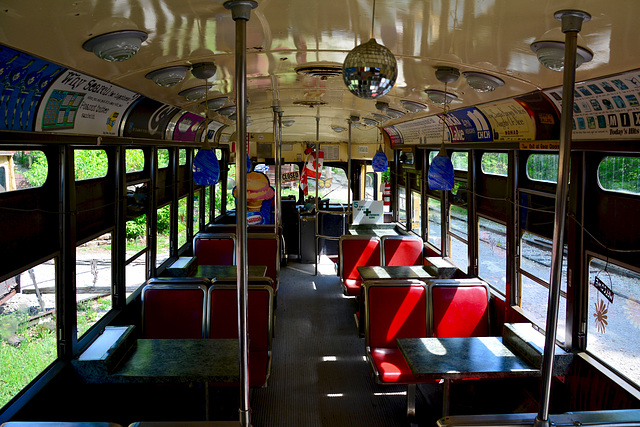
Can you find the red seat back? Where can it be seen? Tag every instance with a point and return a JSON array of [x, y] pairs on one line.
[[215, 248], [459, 309], [402, 250], [173, 310], [264, 249], [222, 315], [394, 309], [357, 251]]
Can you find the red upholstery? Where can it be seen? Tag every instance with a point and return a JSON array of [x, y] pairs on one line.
[[173, 311], [393, 309], [223, 323], [459, 309], [214, 249], [356, 251], [402, 250], [264, 249]]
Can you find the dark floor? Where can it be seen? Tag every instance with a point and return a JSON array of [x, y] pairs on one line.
[[319, 375]]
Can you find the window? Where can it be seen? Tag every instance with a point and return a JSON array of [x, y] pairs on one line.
[[613, 326], [182, 221], [369, 186], [492, 253], [134, 160], [135, 270], [434, 230], [543, 167], [460, 160], [22, 169], [28, 322], [163, 158], [402, 205], [164, 233], [495, 163], [332, 185], [416, 215], [182, 156], [93, 281], [458, 232], [90, 164], [291, 186], [535, 275], [620, 174]]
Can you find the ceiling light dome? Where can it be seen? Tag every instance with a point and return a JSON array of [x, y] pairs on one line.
[[551, 54], [380, 117], [288, 122], [412, 106], [227, 111], [394, 114], [370, 70], [438, 96], [481, 82], [338, 129], [215, 103], [195, 93], [117, 46], [170, 76], [369, 122]]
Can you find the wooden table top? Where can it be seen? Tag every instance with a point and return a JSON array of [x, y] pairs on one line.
[[394, 272]]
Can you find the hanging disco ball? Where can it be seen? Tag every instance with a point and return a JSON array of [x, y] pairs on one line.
[[370, 70]]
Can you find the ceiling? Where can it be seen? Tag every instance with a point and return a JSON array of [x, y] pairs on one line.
[[492, 36]]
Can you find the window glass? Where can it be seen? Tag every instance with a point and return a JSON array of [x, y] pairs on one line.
[[182, 156], [458, 232], [369, 186], [134, 160], [93, 281], [402, 205], [543, 167], [27, 328], [460, 160], [22, 169], [459, 253], [163, 158], [495, 163], [434, 232], [620, 174], [291, 186], [432, 154], [458, 222], [332, 185], [416, 213], [492, 253], [182, 221], [90, 164], [197, 205], [164, 231], [136, 248], [535, 275], [613, 326]]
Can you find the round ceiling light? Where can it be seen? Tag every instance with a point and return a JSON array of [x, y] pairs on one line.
[[380, 117], [370, 70], [215, 103], [481, 82], [369, 122], [412, 106], [288, 122], [117, 46], [227, 111], [338, 129], [551, 54], [195, 93], [394, 114], [170, 76], [438, 96]]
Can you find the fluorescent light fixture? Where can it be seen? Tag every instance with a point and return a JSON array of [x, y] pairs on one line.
[[117, 46], [170, 76]]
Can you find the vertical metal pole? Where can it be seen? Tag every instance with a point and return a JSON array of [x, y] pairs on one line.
[[317, 215], [350, 216], [277, 132], [241, 11], [571, 25]]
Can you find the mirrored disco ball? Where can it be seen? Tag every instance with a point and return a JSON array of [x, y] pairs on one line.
[[370, 70]]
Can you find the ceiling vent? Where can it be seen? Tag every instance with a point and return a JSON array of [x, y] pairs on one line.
[[324, 70]]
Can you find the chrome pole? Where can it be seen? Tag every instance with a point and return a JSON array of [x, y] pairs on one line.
[[317, 239], [277, 133], [350, 215], [571, 24], [241, 12]]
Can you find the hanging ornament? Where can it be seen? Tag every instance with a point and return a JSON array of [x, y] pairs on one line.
[[602, 309], [379, 163], [441, 175], [206, 170], [311, 166]]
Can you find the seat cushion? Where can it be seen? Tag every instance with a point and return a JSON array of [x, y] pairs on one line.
[[352, 287], [391, 366], [258, 368]]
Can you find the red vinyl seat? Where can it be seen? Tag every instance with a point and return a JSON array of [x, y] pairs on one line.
[[215, 248], [402, 250], [264, 249], [459, 308], [174, 308], [222, 322], [356, 251]]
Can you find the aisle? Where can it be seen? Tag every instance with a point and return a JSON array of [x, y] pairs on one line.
[[319, 376]]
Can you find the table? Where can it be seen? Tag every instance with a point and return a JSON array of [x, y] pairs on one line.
[[228, 271], [457, 358], [394, 272], [374, 231]]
